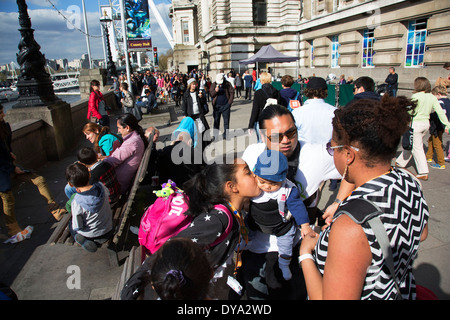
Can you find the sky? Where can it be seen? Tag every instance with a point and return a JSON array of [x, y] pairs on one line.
[[59, 39]]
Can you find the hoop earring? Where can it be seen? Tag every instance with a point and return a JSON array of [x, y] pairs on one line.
[[345, 172]]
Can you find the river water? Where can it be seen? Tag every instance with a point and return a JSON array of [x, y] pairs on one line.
[[67, 98]]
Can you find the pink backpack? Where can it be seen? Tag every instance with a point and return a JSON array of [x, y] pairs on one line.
[[165, 218]]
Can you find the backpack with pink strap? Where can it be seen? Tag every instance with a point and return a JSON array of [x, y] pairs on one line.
[[166, 217]]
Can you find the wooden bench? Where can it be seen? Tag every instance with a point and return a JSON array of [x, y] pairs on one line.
[[120, 210], [132, 263]]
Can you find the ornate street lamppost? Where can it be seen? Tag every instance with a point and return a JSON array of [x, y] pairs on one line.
[[37, 100], [111, 67], [34, 83]]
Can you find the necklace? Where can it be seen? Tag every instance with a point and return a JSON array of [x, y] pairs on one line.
[[243, 234], [243, 230]]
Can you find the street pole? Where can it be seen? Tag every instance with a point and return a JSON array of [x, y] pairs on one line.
[[34, 83], [86, 29], [125, 45], [103, 35]]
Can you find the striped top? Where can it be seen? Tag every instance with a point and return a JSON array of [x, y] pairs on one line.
[[405, 214]]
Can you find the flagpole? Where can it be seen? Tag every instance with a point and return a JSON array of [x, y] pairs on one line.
[[125, 45], [86, 29]]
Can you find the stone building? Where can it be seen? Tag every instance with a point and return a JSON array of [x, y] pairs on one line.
[[350, 37]]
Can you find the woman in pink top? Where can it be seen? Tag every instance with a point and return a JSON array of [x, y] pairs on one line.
[[128, 156], [160, 82]]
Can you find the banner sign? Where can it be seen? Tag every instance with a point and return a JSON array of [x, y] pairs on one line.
[[137, 21]]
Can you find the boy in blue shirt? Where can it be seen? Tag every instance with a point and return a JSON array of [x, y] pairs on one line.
[[91, 213]]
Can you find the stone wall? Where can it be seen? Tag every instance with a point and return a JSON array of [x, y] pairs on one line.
[[28, 143], [87, 75], [30, 137]]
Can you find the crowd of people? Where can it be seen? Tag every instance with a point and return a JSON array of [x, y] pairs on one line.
[[281, 257], [274, 250]]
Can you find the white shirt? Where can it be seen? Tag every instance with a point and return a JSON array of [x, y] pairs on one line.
[[314, 121], [195, 108], [231, 80]]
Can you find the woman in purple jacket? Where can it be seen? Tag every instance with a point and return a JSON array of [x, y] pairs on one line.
[[128, 156]]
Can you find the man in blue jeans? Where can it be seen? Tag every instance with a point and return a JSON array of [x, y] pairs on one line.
[[148, 101], [248, 80], [222, 94]]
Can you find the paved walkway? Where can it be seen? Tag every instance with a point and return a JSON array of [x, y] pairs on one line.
[[38, 271]]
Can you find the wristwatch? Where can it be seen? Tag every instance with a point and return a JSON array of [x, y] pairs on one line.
[[337, 201]]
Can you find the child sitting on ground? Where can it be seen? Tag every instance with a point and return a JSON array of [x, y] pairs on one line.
[[91, 213], [100, 172], [272, 209]]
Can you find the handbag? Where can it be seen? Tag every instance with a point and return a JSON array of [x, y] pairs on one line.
[[205, 108], [103, 108], [136, 111], [407, 139]]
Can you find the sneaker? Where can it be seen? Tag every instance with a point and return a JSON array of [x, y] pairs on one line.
[[20, 236], [86, 244], [422, 176], [437, 166], [398, 166], [447, 159], [429, 160]]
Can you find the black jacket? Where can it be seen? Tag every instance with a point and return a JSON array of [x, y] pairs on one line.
[[229, 91], [188, 104], [392, 81], [259, 101]]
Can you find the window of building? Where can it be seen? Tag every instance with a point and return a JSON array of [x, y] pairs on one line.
[[415, 46], [368, 40], [259, 12], [311, 60], [318, 7], [334, 52], [185, 26]]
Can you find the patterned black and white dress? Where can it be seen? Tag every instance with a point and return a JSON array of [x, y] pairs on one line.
[[405, 214]]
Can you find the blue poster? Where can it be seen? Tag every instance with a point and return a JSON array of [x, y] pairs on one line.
[[137, 20]]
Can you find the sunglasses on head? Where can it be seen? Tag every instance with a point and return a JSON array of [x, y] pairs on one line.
[[278, 137]]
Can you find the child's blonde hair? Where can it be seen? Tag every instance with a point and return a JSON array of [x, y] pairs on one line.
[[265, 77], [439, 90]]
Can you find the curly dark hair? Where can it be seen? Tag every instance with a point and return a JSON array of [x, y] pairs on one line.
[[315, 93], [376, 127]]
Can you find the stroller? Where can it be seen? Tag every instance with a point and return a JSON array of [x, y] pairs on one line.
[[382, 89]]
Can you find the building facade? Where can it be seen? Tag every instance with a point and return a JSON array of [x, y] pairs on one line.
[[350, 37]]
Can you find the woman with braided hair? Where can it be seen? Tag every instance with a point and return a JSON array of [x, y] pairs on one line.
[[347, 260]]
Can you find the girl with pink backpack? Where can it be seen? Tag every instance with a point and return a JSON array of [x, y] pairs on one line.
[[228, 186]]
